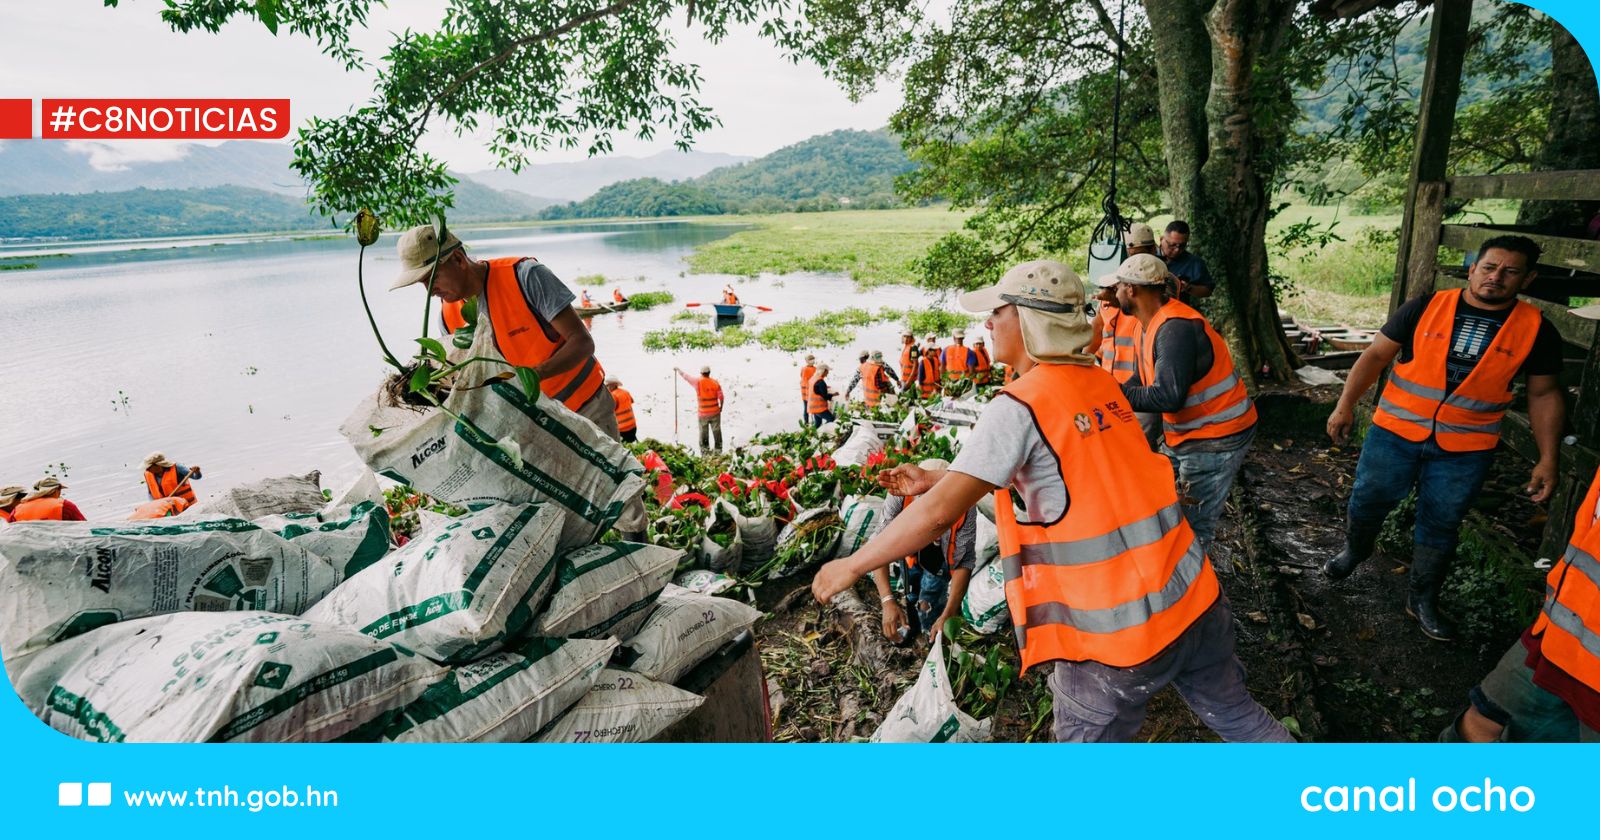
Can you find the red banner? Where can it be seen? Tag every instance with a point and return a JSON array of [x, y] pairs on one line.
[[164, 119]]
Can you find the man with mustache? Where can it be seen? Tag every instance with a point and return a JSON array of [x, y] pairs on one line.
[[1438, 419]]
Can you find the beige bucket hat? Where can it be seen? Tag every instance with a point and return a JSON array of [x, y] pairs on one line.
[[1139, 235], [1050, 304], [46, 486], [12, 494], [156, 459], [418, 248]]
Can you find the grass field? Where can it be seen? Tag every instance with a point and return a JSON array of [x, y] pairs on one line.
[[1345, 282]]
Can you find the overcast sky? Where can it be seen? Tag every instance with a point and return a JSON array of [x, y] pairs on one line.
[[78, 48]]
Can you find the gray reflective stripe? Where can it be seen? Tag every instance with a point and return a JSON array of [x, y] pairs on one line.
[[1096, 549], [1470, 404], [1404, 414], [1124, 341], [1124, 366], [1415, 389], [1485, 429], [1213, 392], [577, 381], [1436, 395], [1130, 613], [1563, 617], [1584, 562], [1238, 409]]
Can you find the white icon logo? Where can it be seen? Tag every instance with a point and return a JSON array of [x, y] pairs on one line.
[[70, 794]]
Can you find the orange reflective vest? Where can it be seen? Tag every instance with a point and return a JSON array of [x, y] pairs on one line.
[[616, 295], [730, 298], [1569, 623], [984, 366], [525, 339], [1217, 404], [928, 378], [164, 484], [38, 510], [625, 420], [955, 360], [871, 391], [159, 508], [816, 403], [1119, 576], [805, 381], [710, 396], [1414, 404], [908, 364], [450, 311], [585, 301], [1119, 340]]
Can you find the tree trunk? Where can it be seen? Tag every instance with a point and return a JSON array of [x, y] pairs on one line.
[[1570, 142], [1206, 92]]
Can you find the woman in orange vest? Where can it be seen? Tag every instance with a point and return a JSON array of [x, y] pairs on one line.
[[819, 397], [1186, 374], [708, 393], [618, 297], [808, 370], [1113, 588], [164, 479], [534, 324], [908, 358], [45, 504], [928, 373], [1547, 685], [1438, 419], [982, 367], [627, 426]]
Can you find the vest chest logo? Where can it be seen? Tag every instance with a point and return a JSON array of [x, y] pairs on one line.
[[1084, 424], [1100, 419], [515, 331]]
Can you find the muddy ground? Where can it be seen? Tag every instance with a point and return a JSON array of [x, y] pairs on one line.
[[1336, 662]]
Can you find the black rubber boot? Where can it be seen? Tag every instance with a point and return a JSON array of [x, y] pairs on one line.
[[1359, 540], [1428, 569]]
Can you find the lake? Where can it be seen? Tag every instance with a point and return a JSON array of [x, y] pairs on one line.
[[244, 354]]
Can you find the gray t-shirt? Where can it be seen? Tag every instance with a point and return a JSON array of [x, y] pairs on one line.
[[966, 535], [542, 289], [1006, 449]]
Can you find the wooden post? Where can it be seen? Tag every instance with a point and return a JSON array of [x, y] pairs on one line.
[[1436, 116]]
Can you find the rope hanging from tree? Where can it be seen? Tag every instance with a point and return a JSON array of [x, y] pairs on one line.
[[1106, 248]]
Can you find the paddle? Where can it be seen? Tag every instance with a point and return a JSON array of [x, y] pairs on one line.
[[745, 305]]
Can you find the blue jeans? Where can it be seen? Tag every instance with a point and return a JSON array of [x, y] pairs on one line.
[[824, 417], [925, 595], [1204, 480], [1446, 484]]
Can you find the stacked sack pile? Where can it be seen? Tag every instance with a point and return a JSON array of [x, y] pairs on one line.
[[298, 622]]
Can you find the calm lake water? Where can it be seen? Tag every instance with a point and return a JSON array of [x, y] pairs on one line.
[[244, 355]]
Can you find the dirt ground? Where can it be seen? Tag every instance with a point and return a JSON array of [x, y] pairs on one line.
[[1336, 662]]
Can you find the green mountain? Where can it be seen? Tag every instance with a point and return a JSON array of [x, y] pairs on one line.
[[826, 172], [140, 213]]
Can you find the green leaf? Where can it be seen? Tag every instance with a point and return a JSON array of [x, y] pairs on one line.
[[420, 379], [375, 430], [530, 383], [267, 13], [951, 625], [432, 348]]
